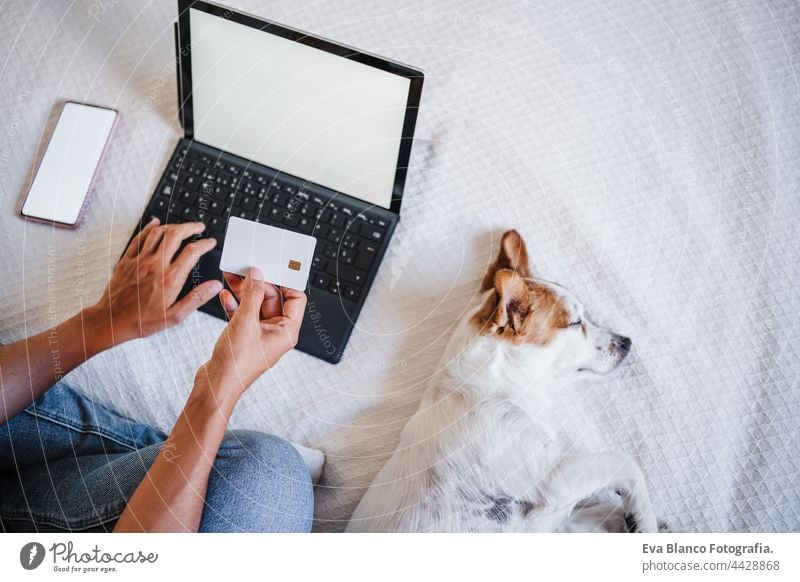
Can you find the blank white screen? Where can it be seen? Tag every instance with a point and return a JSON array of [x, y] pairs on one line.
[[300, 110], [69, 163]]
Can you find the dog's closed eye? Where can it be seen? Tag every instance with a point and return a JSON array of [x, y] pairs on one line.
[[575, 323]]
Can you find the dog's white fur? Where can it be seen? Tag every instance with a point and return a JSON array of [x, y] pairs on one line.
[[481, 453]]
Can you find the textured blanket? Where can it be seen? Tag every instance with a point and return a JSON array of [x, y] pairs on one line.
[[647, 151]]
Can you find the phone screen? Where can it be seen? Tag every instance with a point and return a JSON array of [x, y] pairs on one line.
[[69, 164]]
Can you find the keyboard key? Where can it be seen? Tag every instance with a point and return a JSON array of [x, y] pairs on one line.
[[310, 209], [337, 220], [294, 205], [320, 280], [248, 202], [347, 273], [187, 197], [330, 251], [366, 256], [334, 235], [318, 263], [366, 246], [305, 225], [352, 292], [350, 241], [372, 233], [216, 207], [347, 256]]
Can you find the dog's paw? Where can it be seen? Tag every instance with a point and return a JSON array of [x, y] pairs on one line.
[[665, 527], [640, 523]]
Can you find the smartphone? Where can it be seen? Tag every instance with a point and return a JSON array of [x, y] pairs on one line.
[[70, 164]]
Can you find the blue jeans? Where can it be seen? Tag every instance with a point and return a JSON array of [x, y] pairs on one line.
[[68, 464]]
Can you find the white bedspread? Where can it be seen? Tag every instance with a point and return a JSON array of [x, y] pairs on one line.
[[648, 152]]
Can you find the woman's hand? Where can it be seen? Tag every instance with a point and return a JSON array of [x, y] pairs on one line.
[[140, 298], [264, 325]]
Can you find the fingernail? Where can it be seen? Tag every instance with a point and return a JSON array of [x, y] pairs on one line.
[[256, 274], [152, 220]]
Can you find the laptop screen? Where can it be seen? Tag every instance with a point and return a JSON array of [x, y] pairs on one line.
[[301, 110]]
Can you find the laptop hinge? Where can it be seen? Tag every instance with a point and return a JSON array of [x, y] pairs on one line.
[[178, 78]]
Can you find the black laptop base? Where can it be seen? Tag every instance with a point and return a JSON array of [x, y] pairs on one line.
[[205, 184]]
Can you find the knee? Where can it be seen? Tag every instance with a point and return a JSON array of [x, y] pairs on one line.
[[259, 482]]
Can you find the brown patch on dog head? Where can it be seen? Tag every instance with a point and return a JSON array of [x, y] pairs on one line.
[[513, 255], [521, 310]]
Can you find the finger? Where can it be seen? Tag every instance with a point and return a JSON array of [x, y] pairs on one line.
[[294, 304], [175, 234], [186, 261], [194, 299], [153, 239], [235, 282], [252, 295], [228, 302], [271, 306], [133, 248]]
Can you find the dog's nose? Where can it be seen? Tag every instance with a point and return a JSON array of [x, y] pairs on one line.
[[625, 343]]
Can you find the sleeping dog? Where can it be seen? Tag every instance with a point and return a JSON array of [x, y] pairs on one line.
[[481, 452]]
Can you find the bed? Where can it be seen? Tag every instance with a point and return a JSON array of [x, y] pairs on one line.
[[647, 152]]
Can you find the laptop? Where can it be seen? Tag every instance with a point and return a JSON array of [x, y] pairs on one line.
[[298, 132]]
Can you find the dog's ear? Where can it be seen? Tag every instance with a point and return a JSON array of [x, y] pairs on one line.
[[513, 255], [513, 301]]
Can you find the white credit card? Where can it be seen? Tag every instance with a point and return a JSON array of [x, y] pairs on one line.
[[284, 257]]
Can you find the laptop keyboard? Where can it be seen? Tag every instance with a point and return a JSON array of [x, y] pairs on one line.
[[198, 186]]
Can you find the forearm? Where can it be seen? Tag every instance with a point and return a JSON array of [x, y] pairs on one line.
[[29, 367], [171, 497]]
